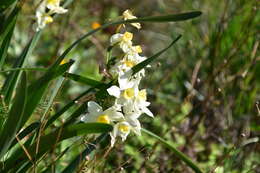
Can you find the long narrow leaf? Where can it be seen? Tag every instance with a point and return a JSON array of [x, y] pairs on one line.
[[4, 47], [144, 63], [26, 132], [66, 107], [10, 83], [6, 34], [52, 139], [5, 4], [85, 80], [159, 19], [38, 88], [48, 169], [178, 153], [72, 167], [15, 115]]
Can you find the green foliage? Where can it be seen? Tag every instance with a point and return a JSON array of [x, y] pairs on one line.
[[204, 93], [15, 116]]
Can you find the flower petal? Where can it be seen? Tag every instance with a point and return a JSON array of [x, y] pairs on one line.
[[93, 107], [114, 91]]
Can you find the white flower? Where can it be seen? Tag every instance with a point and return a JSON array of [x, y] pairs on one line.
[[127, 14], [54, 6], [124, 40], [96, 114], [123, 129], [123, 95], [133, 100], [123, 69], [43, 18]]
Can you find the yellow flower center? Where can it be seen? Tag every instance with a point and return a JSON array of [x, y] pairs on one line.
[[124, 128], [103, 119], [142, 94], [129, 63], [138, 49], [128, 93], [63, 62], [128, 36], [52, 2], [48, 19]]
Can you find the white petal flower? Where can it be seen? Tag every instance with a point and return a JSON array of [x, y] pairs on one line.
[[43, 17], [127, 14], [124, 40], [42, 20], [141, 104], [96, 114], [114, 91], [54, 6], [123, 129], [132, 100]]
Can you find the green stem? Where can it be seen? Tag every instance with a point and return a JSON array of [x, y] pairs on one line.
[[178, 153]]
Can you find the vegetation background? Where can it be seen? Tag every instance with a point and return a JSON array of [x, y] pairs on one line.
[[204, 91]]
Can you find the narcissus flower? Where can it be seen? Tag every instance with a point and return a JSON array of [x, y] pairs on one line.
[[96, 114], [127, 14], [123, 129], [124, 40], [132, 100], [54, 6], [43, 17]]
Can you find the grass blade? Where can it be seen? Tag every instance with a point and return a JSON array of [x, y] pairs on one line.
[[52, 139], [84, 80], [26, 132], [4, 47], [5, 4], [144, 63], [15, 115], [7, 32], [38, 88], [49, 168], [72, 167], [65, 108], [178, 153], [159, 19], [10, 83]]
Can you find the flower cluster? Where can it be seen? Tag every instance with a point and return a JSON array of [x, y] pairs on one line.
[[45, 11], [130, 101]]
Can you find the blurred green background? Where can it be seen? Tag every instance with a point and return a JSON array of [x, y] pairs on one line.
[[204, 91]]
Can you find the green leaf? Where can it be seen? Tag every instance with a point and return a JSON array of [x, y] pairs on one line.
[[49, 168], [8, 21], [178, 153], [51, 140], [76, 114], [144, 63], [52, 93], [11, 127], [66, 107], [84, 80], [166, 18], [5, 4], [159, 19], [38, 88], [72, 167], [4, 47], [24, 69], [11, 80], [26, 132], [6, 33]]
